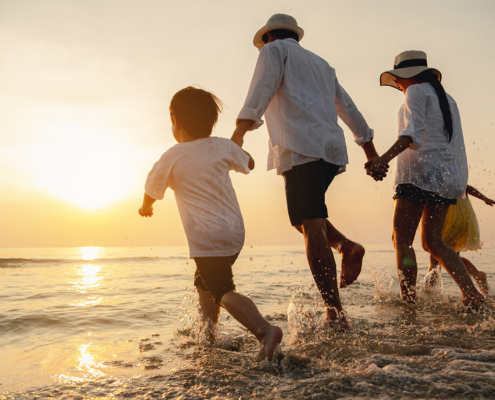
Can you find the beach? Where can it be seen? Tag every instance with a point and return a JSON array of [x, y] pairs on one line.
[[122, 323]]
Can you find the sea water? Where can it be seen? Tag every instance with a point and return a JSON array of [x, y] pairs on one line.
[[91, 322]]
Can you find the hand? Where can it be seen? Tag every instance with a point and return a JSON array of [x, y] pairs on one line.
[[242, 126], [490, 202], [376, 168], [146, 212]]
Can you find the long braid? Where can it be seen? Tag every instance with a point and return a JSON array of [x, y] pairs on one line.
[[432, 79]]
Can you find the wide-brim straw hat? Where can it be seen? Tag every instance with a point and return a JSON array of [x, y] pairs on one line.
[[407, 64], [277, 21]]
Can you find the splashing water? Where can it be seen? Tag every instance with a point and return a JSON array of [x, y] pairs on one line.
[[144, 337]]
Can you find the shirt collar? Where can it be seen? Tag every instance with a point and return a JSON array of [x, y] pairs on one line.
[[289, 39], [292, 40]]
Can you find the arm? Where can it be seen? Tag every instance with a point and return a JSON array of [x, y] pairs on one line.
[[376, 166], [348, 112], [369, 150], [251, 160], [146, 209], [414, 118], [243, 125], [476, 193], [266, 80]]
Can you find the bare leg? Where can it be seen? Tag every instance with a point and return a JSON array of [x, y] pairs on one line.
[[433, 263], [322, 264], [245, 311], [407, 215], [351, 253], [210, 312], [479, 276], [431, 237]]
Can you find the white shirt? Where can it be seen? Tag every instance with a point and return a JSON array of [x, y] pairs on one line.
[[198, 173], [301, 98], [431, 163]]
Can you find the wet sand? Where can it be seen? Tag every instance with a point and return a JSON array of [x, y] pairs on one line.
[[123, 324]]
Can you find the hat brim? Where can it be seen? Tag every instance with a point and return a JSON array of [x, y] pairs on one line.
[[258, 41], [387, 77]]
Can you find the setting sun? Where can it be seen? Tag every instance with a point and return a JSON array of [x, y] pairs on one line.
[[87, 169]]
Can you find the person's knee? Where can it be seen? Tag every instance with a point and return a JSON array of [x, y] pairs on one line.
[[316, 225], [402, 241], [432, 245]]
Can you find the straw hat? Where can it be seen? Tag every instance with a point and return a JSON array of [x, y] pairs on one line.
[[277, 21], [407, 64]]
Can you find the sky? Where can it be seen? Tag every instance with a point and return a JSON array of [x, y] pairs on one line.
[[85, 88]]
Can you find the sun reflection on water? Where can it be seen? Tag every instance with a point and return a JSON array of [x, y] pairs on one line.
[[89, 278], [89, 253], [86, 362]]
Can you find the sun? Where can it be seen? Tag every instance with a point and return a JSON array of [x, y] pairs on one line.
[[87, 169]]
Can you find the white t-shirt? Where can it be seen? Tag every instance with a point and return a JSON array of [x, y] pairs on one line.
[[431, 163], [198, 173]]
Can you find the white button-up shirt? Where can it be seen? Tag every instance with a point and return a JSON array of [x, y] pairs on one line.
[[301, 98], [432, 162]]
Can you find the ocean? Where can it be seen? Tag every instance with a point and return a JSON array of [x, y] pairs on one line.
[[122, 323]]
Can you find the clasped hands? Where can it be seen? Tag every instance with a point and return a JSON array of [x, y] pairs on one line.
[[376, 168]]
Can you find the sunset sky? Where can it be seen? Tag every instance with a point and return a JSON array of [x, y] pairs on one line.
[[85, 88]]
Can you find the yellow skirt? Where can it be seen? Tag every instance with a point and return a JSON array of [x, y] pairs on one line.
[[461, 230]]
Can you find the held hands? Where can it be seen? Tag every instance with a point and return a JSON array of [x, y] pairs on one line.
[[242, 126], [146, 212], [376, 168]]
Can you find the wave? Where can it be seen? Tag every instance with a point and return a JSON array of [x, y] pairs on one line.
[[31, 262]]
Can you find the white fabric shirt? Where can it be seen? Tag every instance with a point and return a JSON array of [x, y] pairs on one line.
[[431, 163], [198, 173], [301, 98]]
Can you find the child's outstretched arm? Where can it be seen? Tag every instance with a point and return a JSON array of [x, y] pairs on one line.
[[251, 160], [146, 209], [476, 193]]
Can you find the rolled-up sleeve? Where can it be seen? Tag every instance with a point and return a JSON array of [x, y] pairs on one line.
[[158, 179], [414, 115], [348, 112], [266, 80]]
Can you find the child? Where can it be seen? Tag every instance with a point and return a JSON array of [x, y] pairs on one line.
[[432, 172], [197, 170], [461, 232]]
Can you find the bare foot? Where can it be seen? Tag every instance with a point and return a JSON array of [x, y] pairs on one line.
[[352, 260], [271, 340], [482, 282], [474, 301], [337, 322]]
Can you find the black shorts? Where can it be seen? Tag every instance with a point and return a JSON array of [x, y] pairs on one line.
[[305, 188], [411, 192], [214, 274]]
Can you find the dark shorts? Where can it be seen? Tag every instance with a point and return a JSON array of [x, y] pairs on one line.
[[305, 188], [214, 274], [411, 192]]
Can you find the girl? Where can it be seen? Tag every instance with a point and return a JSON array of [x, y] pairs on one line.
[[431, 172], [461, 232]]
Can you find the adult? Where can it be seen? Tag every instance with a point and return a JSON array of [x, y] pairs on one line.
[[432, 171], [301, 98]]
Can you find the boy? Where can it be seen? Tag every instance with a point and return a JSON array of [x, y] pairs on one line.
[[197, 169]]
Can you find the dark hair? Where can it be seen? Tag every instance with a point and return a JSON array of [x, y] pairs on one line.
[[281, 34], [432, 79], [197, 110]]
